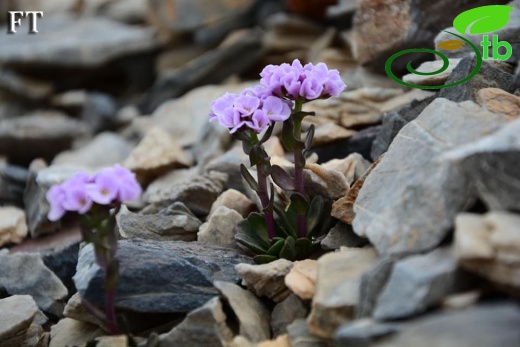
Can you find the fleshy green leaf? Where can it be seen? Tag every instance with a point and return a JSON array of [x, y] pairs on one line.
[[249, 178], [258, 156], [299, 203], [309, 137], [264, 259], [282, 178], [267, 134], [258, 226], [276, 248], [289, 249], [482, 20], [286, 220], [315, 213]]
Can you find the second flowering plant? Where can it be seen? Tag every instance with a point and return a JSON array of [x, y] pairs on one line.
[[97, 199], [291, 231]]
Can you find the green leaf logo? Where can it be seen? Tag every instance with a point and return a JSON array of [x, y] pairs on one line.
[[482, 20]]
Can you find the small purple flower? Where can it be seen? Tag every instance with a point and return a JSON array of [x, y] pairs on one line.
[[104, 189], [56, 196], [276, 109], [128, 188], [77, 199], [258, 122]]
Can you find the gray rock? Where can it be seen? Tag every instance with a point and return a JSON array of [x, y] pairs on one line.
[[25, 273], [229, 164], [39, 135], [286, 312], [492, 324], [337, 288], [266, 279], [300, 336], [174, 223], [253, 316], [362, 333], [209, 68], [64, 40], [219, 230], [429, 67], [418, 283], [204, 326], [94, 154], [12, 184], [198, 193], [99, 112], [414, 176], [24, 87], [393, 122], [16, 315], [342, 235], [183, 273], [372, 283], [62, 261], [491, 75], [492, 165]]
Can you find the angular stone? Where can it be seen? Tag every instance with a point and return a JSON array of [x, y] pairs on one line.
[[173, 223], [352, 167], [491, 164], [491, 324], [280, 341], [176, 266], [363, 332], [394, 121], [286, 312], [489, 245], [491, 75], [76, 310], [198, 193], [12, 184], [342, 235], [337, 289], [499, 101], [301, 279], [330, 132], [330, 184], [112, 341], [267, 279], [373, 281], [253, 317], [25, 87], [64, 40], [40, 135], [300, 336], [70, 332], [418, 283], [429, 67], [204, 326], [413, 174], [157, 153], [219, 230], [234, 200], [16, 315], [95, 154], [13, 228], [25, 273]]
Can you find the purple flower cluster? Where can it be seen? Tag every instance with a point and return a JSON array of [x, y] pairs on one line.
[[309, 82], [258, 107], [254, 108], [79, 193]]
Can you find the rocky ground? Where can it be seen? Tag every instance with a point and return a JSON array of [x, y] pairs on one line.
[[425, 184]]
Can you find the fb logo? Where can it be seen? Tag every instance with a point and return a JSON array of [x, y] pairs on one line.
[[477, 21]]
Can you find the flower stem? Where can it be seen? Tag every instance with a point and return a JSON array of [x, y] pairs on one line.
[[262, 192], [299, 165], [110, 311]]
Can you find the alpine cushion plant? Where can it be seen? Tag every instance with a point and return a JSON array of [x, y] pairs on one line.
[[282, 92], [97, 199]]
